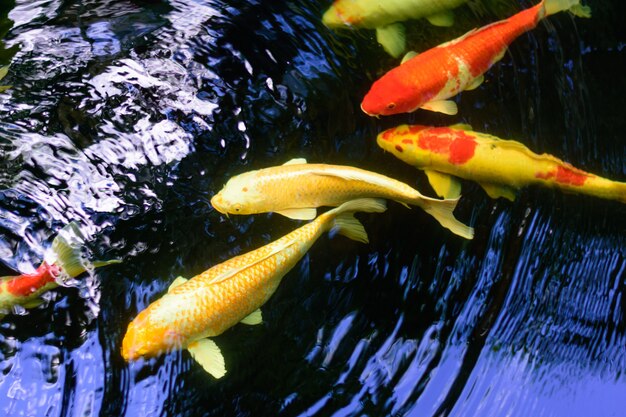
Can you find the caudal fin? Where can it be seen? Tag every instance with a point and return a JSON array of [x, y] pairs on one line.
[[346, 224], [68, 252], [442, 211], [573, 6]]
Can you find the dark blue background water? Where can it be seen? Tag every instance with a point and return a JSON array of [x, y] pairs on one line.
[[129, 115]]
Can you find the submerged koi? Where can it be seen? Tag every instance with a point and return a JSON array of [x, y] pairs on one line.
[[296, 188], [384, 15], [501, 167], [428, 79], [64, 260], [231, 292]]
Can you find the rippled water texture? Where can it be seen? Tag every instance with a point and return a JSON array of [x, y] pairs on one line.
[[128, 115]]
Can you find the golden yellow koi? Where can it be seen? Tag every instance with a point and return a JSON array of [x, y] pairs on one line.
[[231, 292], [501, 167], [296, 188]]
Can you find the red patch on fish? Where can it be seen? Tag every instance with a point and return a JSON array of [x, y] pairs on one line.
[[459, 146], [408, 141], [388, 134], [572, 176], [26, 284], [565, 175]]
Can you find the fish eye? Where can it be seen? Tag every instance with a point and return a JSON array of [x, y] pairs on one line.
[[391, 106]]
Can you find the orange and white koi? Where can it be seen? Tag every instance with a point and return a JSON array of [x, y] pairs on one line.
[[501, 167], [428, 79], [296, 188], [64, 260], [385, 15], [231, 292]]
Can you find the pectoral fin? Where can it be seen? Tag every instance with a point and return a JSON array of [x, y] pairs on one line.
[[178, 281], [295, 161], [442, 106], [299, 213], [209, 356], [497, 191], [446, 186], [392, 38], [254, 318], [476, 83], [444, 19], [409, 55], [4, 71]]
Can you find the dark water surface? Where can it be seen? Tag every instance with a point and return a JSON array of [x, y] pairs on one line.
[[129, 115]]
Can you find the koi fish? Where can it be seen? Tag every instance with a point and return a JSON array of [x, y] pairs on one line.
[[231, 292], [384, 15], [501, 167], [64, 260], [296, 188], [428, 79]]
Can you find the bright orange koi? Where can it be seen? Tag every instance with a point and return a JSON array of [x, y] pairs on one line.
[[501, 167], [231, 292], [427, 80], [64, 260]]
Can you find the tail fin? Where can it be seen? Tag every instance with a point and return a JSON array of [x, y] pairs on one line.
[[345, 223], [67, 251], [442, 211], [573, 6]]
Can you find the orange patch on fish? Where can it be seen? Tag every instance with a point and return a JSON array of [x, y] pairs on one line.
[[459, 146], [26, 284], [565, 175], [408, 141]]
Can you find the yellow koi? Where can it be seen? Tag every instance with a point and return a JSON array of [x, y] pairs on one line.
[[501, 167], [231, 292], [385, 15], [296, 188]]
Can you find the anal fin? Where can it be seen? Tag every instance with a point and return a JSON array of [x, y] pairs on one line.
[[209, 356], [446, 186], [497, 191], [392, 38]]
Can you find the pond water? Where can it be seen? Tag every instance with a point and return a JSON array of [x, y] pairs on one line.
[[128, 115]]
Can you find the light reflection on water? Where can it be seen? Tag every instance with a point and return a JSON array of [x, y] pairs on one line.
[[128, 115]]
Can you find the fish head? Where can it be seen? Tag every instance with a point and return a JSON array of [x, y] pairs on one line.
[[240, 195], [390, 95], [403, 142], [343, 13], [149, 335]]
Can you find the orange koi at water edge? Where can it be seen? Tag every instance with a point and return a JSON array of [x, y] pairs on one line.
[[501, 167], [64, 260], [231, 292], [428, 79]]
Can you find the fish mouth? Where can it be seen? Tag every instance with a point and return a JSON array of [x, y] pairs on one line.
[[217, 202], [368, 113]]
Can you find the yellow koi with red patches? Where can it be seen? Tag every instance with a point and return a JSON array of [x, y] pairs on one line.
[[296, 189], [501, 167], [224, 295], [428, 79]]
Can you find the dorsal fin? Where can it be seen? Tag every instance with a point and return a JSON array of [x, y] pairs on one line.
[[234, 271], [296, 161]]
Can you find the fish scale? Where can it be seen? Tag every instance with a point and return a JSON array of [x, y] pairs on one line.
[[222, 296]]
